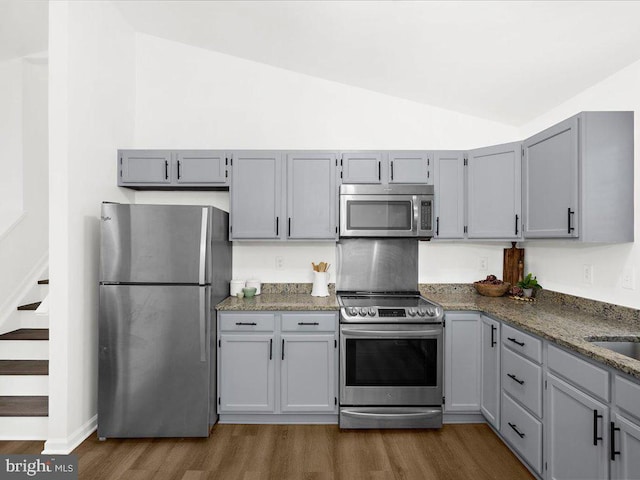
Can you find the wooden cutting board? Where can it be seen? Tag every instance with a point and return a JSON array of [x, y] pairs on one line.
[[511, 271]]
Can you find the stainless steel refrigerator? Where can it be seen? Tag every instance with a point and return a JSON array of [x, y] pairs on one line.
[[162, 270]]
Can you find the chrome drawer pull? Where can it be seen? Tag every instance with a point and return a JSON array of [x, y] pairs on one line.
[[515, 429], [515, 379]]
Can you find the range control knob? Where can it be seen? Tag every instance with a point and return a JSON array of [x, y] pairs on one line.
[[363, 312], [352, 311], [372, 312], [432, 312], [412, 312], [422, 311]]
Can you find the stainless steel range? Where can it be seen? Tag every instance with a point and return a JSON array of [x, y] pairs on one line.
[[391, 338]]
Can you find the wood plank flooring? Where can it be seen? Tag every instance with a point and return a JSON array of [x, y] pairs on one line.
[[300, 452]]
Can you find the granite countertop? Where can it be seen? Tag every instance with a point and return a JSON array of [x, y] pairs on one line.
[[564, 320], [279, 301]]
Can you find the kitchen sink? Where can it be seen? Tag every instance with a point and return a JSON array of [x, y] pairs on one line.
[[628, 348]]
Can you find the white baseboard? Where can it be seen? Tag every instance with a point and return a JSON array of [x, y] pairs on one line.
[[64, 446]]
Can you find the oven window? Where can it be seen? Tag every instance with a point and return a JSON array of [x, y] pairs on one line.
[[391, 362], [379, 215]]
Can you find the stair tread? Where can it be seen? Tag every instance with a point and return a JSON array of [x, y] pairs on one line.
[[24, 406], [27, 334], [24, 367], [30, 306], [43, 282]]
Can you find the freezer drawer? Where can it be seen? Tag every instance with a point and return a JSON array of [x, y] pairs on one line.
[[154, 361]]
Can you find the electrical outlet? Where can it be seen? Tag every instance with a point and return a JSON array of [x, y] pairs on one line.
[[587, 274], [279, 263], [484, 263], [629, 278]]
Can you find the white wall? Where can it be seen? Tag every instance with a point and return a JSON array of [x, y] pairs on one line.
[[24, 180], [11, 197], [92, 89], [188, 97], [559, 264]]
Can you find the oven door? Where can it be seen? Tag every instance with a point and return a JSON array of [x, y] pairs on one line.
[[379, 216], [390, 364]]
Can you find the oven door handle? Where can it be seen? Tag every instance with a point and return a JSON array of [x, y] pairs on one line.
[[391, 333]]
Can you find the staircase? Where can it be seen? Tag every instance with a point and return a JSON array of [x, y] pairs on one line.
[[24, 370]]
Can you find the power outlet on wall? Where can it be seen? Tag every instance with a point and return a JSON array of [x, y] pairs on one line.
[[483, 265], [587, 274], [279, 263], [629, 278]]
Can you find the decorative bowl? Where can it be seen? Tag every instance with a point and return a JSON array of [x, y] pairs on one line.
[[489, 290], [249, 291]]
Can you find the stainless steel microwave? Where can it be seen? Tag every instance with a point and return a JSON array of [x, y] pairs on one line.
[[386, 211]]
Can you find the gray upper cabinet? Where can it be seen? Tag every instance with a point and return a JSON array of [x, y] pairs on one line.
[[256, 196], [311, 196], [410, 167], [494, 192], [201, 167], [172, 169], [144, 167], [362, 167], [578, 179], [449, 193]]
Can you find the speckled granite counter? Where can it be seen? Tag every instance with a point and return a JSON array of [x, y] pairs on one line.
[[565, 320], [280, 301]]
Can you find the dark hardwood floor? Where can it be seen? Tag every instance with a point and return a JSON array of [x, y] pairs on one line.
[[301, 452]]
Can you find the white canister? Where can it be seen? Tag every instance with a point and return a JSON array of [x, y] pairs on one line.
[[253, 283], [320, 287], [236, 287]]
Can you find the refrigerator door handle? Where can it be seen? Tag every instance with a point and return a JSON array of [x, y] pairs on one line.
[[203, 325], [203, 245]]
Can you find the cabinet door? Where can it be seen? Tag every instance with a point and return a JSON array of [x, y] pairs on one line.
[[625, 465], [550, 182], [144, 167], [247, 373], [308, 369], [410, 167], [494, 184], [311, 196], [256, 196], [449, 194], [462, 362], [577, 433], [490, 371], [361, 167], [201, 167]]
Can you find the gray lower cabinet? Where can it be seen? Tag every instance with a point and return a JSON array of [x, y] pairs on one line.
[[256, 196], [490, 370], [577, 433], [312, 196], [462, 362], [279, 363], [577, 179], [449, 185], [624, 451], [362, 167], [164, 169], [410, 167], [493, 192]]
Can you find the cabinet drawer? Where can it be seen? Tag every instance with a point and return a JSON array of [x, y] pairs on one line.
[[523, 343], [523, 380], [261, 322], [627, 395], [523, 431], [581, 373], [292, 322]]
